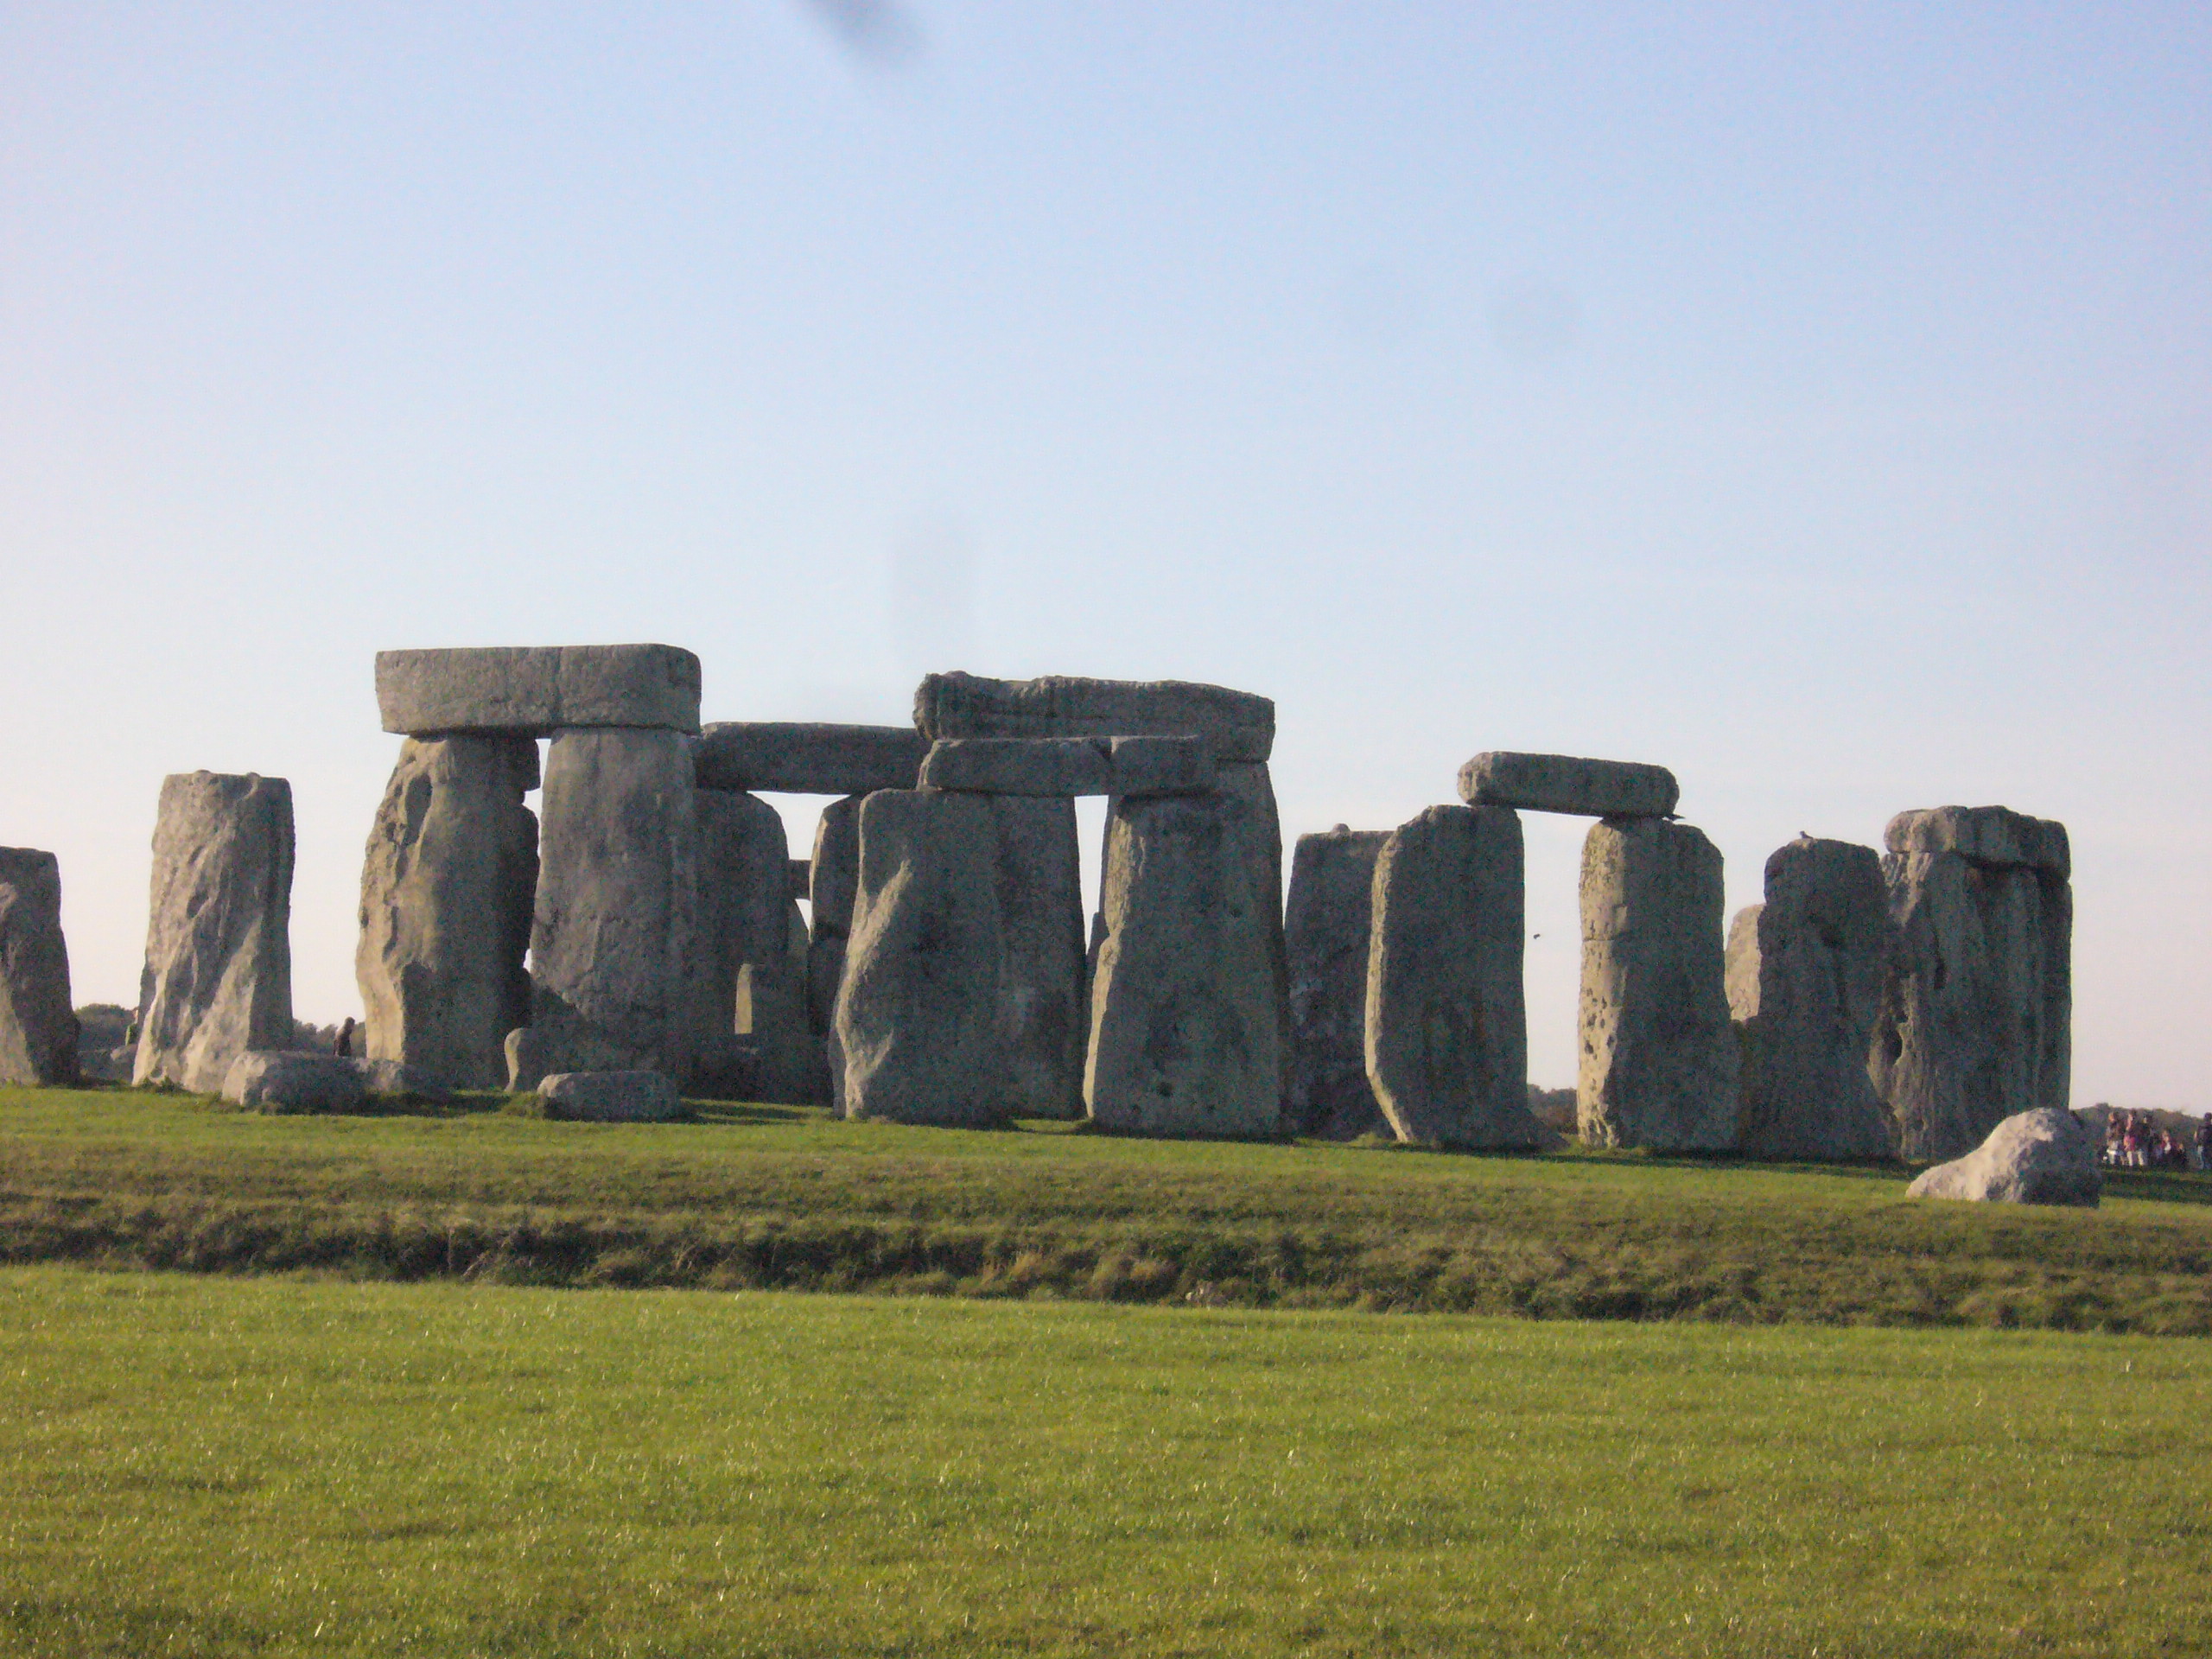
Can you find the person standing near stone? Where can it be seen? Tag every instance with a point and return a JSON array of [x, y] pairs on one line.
[[38, 1031], [219, 954], [341, 1046]]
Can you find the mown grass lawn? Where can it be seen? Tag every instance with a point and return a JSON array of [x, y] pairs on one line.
[[785, 1198], [211, 1465]]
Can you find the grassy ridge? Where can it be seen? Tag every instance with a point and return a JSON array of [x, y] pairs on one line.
[[773, 1197], [203, 1467]]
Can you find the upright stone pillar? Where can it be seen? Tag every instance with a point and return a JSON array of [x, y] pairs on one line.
[[1325, 924], [218, 953], [1447, 1034], [1187, 1009], [38, 1031], [832, 874], [448, 886], [918, 1017], [745, 908], [612, 947], [1977, 1009], [1805, 973], [1659, 1062], [1038, 870]]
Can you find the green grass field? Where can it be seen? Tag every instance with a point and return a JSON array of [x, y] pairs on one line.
[[201, 1465], [784, 1198]]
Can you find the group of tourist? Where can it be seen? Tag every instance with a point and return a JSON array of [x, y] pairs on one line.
[[2134, 1140]]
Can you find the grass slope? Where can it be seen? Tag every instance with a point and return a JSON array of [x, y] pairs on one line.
[[775, 1198], [203, 1467]]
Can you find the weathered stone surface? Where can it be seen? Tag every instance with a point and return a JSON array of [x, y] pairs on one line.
[[1977, 1009], [1565, 783], [834, 872], [808, 758], [789, 1066], [281, 1081], [1163, 766], [1019, 766], [219, 954], [1659, 1061], [1189, 1006], [1447, 1034], [1041, 1028], [744, 907], [612, 981], [917, 1019], [1325, 1091], [525, 1055], [392, 1080], [2043, 1156], [632, 1097], [38, 1031], [535, 690], [1237, 725], [801, 873], [448, 885], [1805, 986], [1985, 835]]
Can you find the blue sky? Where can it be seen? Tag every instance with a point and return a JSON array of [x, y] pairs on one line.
[[1816, 400]]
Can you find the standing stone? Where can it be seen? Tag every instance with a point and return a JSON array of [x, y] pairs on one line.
[[38, 1032], [448, 886], [1325, 1091], [1804, 976], [789, 1063], [917, 1012], [1659, 1061], [1041, 1028], [612, 952], [1188, 1007], [832, 873], [1447, 1037], [1976, 1018], [218, 951], [744, 908]]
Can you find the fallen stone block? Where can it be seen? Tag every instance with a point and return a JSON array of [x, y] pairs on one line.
[[1238, 726], [1984, 835], [803, 757], [535, 691], [38, 1029], [1565, 783], [2043, 1156], [610, 1097], [281, 1081], [1325, 924]]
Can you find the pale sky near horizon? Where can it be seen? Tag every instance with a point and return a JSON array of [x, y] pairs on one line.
[[1815, 400]]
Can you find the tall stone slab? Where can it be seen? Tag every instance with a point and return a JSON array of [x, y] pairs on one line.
[[612, 945], [918, 1016], [448, 885], [1325, 1091], [789, 1063], [744, 907], [1977, 1009], [832, 874], [1447, 1029], [38, 1031], [1805, 973], [218, 952], [1659, 1063], [1188, 1007], [1038, 869]]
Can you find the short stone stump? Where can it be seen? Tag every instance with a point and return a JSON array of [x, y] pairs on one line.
[[2040, 1157], [610, 1097], [280, 1082]]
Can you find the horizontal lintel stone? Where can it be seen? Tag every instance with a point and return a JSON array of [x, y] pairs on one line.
[[1567, 783], [533, 690], [1067, 766], [809, 758], [1240, 726]]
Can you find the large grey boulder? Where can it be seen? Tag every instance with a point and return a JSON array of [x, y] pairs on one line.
[[2043, 1156], [1805, 974], [1446, 1031], [286, 1081], [448, 885], [1189, 1010], [38, 1031], [744, 907], [807, 758], [917, 1019], [218, 956], [1237, 725], [1565, 783], [613, 979], [535, 690], [1325, 1091], [1037, 865], [1659, 1059], [632, 1097], [1977, 1007]]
